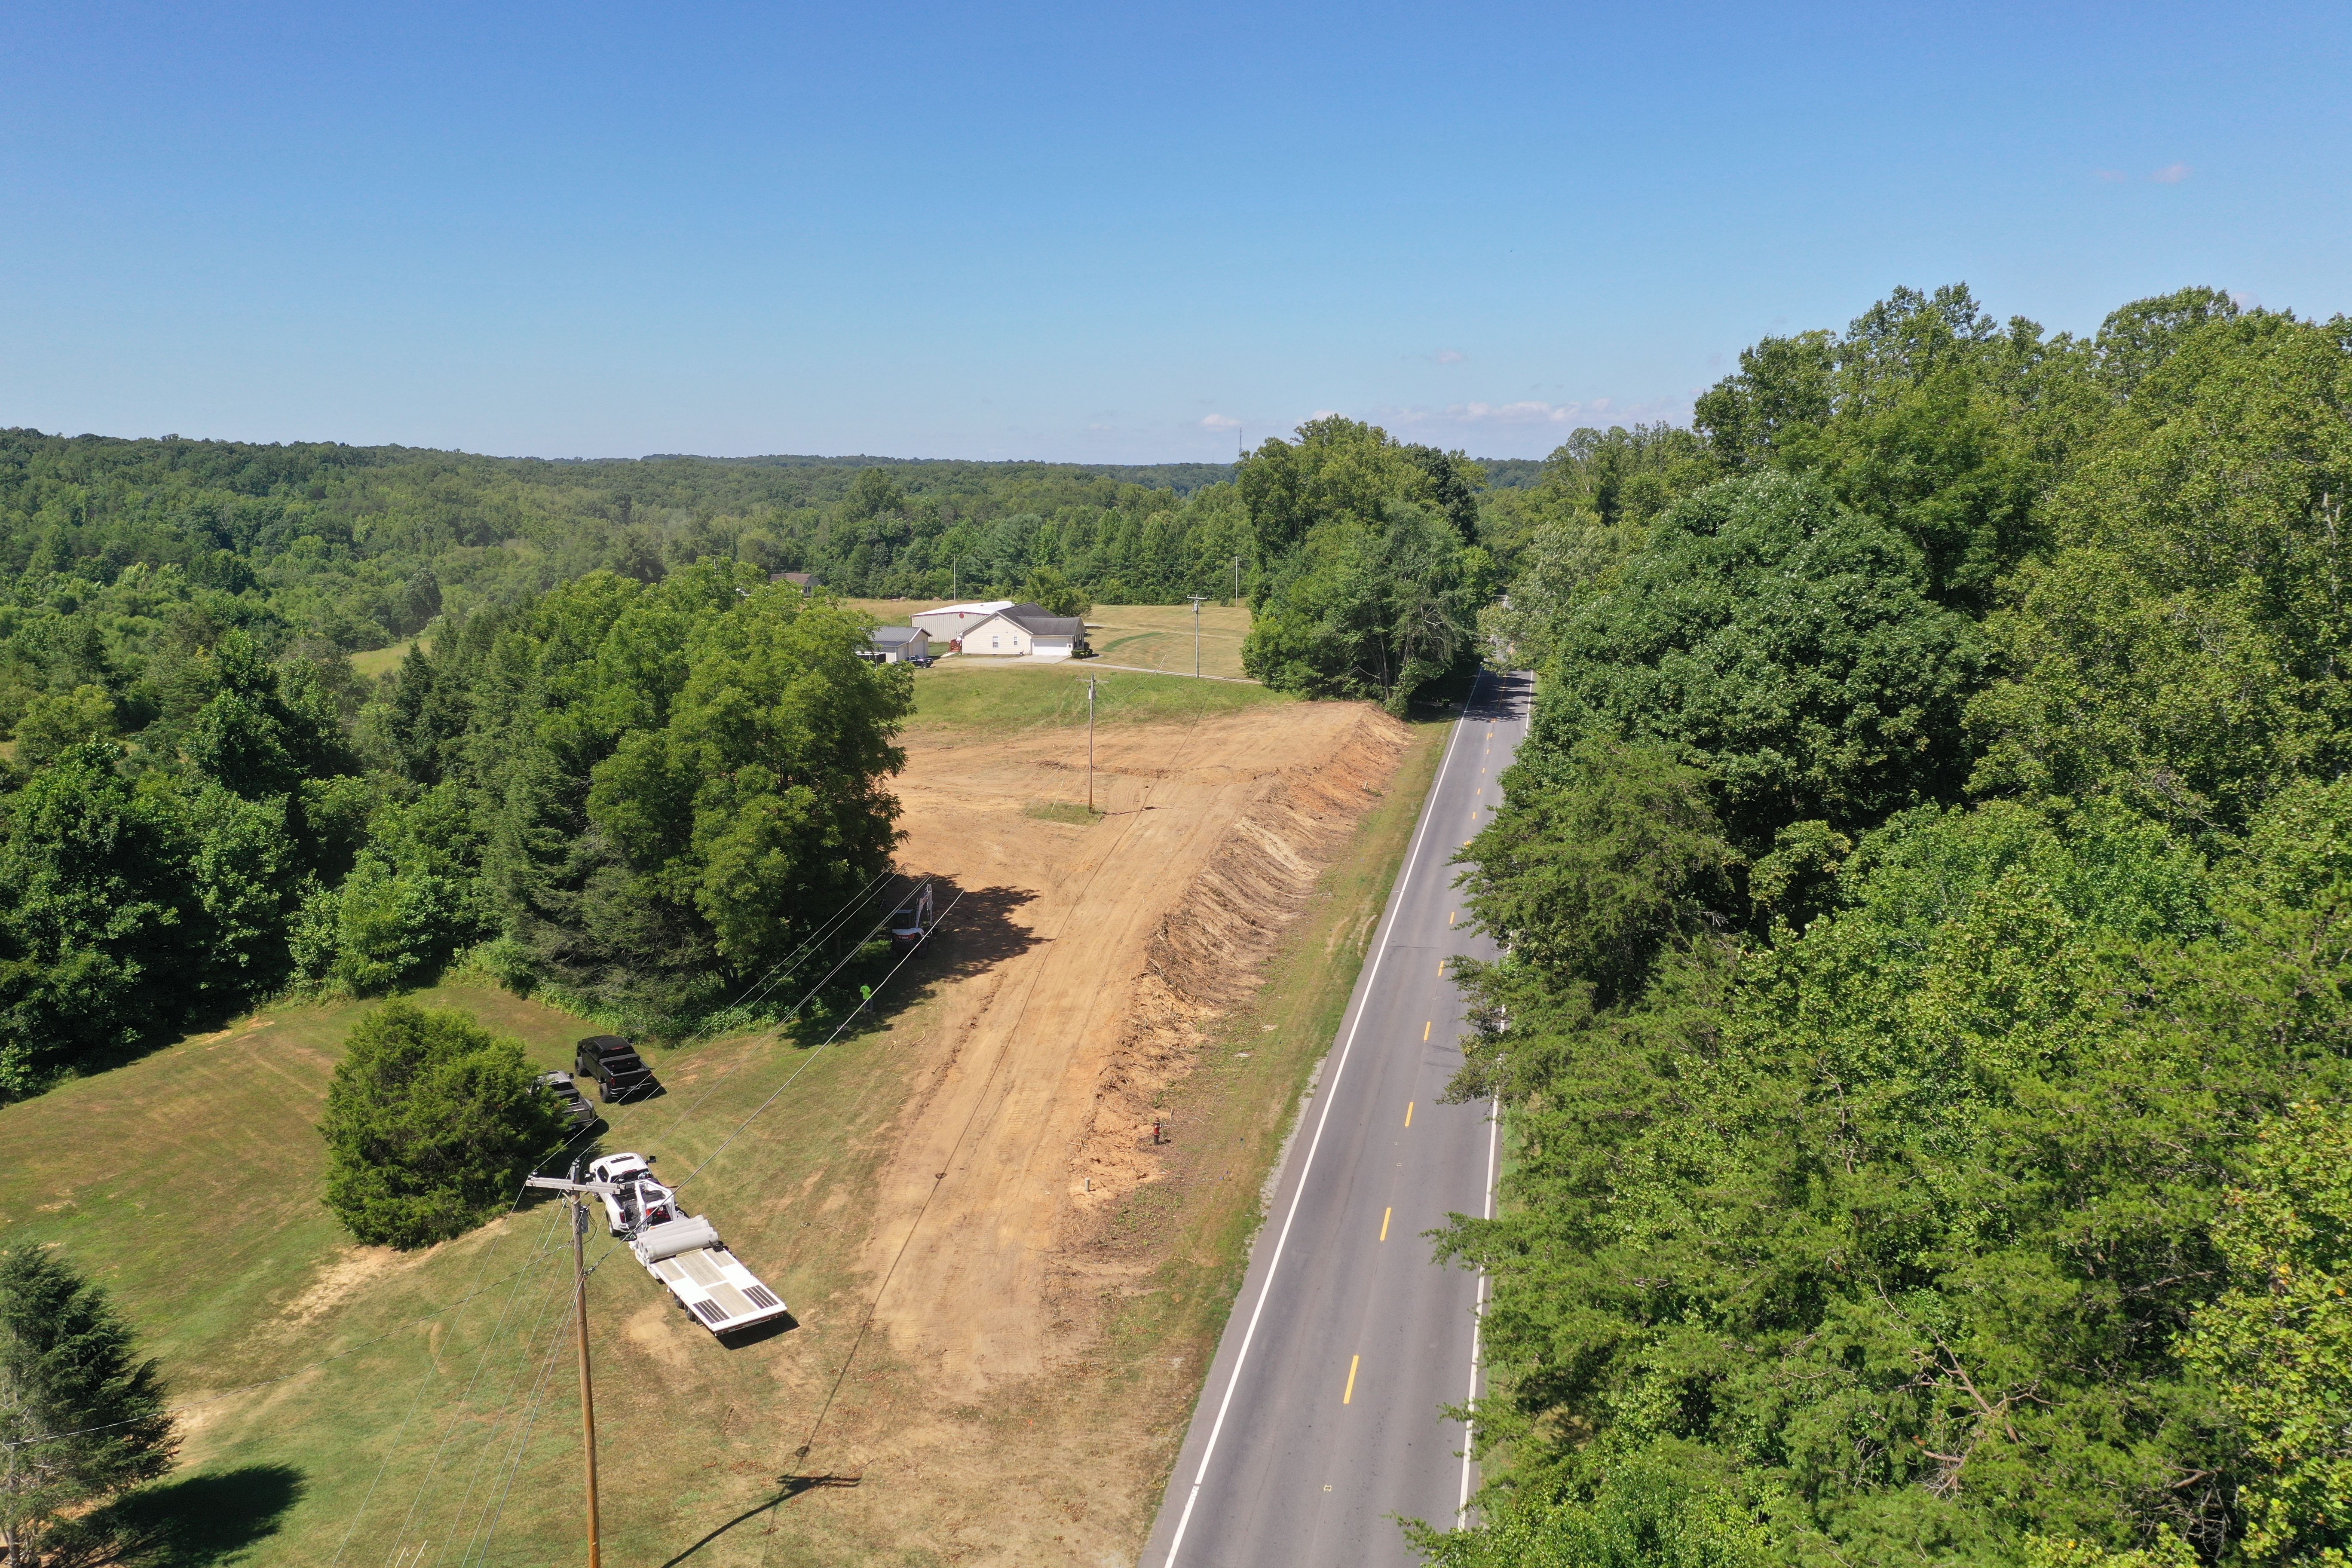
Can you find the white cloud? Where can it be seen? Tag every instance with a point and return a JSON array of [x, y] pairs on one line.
[[2112, 176], [2171, 174], [1220, 422], [1449, 356], [1528, 427], [1568, 415]]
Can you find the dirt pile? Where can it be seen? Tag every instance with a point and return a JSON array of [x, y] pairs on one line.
[[1206, 954]]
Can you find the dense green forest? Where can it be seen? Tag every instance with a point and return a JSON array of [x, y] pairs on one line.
[[1928, 1009], [106, 544]]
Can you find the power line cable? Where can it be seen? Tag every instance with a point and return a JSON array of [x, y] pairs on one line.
[[514, 1469], [496, 1419], [848, 1019], [513, 1461], [458, 1414], [714, 1084], [794, 957]]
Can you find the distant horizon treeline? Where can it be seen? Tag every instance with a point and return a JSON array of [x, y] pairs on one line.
[[357, 547]]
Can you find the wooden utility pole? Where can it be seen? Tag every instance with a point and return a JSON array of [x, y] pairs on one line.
[[587, 1389], [1091, 678], [1197, 598]]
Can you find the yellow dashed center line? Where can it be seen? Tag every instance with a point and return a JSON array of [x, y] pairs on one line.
[[1407, 1112], [1426, 1027], [1349, 1397], [1384, 1222]]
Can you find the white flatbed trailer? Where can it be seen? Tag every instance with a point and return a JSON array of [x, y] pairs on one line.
[[681, 1251]]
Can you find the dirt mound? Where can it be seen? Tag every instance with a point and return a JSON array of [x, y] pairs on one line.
[[1206, 954], [1112, 944]]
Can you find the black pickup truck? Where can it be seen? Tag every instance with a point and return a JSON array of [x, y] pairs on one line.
[[620, 1073]]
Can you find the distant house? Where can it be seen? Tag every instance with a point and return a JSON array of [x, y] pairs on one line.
[[951, 621], [901, 644], [1025, 631], [803, 581]]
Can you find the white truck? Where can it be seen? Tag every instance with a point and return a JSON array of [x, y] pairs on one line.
[[681, 1251]]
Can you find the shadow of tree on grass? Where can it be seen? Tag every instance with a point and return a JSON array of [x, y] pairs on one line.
[[190, 1522]]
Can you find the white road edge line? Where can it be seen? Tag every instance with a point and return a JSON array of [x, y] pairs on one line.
[[1330, 1094], [1478, 1320]]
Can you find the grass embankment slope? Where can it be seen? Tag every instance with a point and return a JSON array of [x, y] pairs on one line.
[[188, 1182]]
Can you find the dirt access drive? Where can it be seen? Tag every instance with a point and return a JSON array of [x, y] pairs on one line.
[[1037, 1117]]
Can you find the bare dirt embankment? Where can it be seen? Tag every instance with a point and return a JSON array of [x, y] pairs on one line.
[[1033, 1119]]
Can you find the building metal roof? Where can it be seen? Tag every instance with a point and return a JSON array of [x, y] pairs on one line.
[[891, 636], [1038, 622], [979, 607]]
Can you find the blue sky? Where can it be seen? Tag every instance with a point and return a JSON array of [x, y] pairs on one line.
[[1104, 233]]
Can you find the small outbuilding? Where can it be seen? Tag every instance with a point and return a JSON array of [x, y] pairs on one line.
[[901, 644]]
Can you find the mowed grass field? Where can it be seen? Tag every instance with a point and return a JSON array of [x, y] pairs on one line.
[[430, 1396], [1020, 693], [1159, 637], [378, 661]]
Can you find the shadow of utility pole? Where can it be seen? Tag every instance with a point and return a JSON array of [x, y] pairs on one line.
[[792, 1486]]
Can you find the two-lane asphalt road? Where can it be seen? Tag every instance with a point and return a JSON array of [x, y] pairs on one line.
[[1321, 1420]]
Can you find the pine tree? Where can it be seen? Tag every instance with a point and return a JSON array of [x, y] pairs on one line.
[[80, 1418]]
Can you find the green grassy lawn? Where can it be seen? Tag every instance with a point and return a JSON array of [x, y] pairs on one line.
[[1159, 637], [1018, 694], [378, 661], [188, 1183], [1156, 636]]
